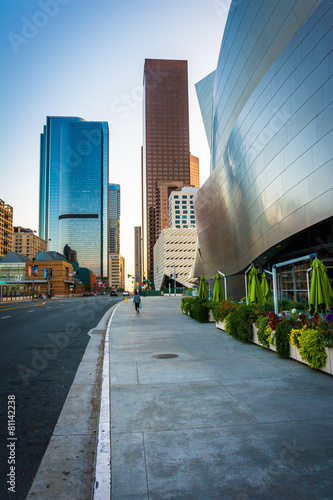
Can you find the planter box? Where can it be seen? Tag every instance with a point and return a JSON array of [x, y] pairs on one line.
[[294, 354], [221, 325]]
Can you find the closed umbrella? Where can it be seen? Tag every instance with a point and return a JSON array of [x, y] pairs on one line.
[[327, 287], [265, 290], [203, 292], [320, 289], [218, 293], [254, 289], [317, 300]]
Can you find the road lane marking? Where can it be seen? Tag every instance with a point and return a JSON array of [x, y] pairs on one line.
[[5, 317], [18, 307], [49, 307], [32, 311]]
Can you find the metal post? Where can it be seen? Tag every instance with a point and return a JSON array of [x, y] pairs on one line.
[[174, 278], [275, 297], [246, 292], [308, 282], [225, 283]]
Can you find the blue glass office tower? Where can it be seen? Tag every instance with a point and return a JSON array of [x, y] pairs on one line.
[[267, 111], [74, 189]]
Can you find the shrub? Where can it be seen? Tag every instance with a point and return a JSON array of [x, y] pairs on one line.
[[325, 329], [185, 300], [197, 308], [284, 304], [312, 348], [239, 323], [281, 338], [264, 332], [223, 309], [294, 336]]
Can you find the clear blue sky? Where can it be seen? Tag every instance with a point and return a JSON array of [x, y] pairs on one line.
[[83, 58]]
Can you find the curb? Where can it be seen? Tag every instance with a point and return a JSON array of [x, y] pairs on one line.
[[66, 470], [102, 480]]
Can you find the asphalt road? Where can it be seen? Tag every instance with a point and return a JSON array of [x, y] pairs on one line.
[[41, 346]]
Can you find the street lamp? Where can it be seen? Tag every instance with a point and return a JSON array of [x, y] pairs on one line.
[[48, 269], [33, 278]]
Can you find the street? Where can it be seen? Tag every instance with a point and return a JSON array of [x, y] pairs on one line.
[[42, 343]]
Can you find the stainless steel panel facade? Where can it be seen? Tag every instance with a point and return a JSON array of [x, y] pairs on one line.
[[272, 132]]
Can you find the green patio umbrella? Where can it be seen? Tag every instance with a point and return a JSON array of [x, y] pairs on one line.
[[254, 289], [320, 293], [327, 286], [218, 293], [265, 290], [203, 292]]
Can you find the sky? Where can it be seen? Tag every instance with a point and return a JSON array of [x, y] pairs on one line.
[[85, 58]]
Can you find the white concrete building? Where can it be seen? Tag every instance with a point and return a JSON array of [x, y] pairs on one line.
[[181, 208], [175, 248]]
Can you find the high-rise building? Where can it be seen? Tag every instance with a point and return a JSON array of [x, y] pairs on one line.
[[181, 208], [194, 171], [114, 218], [137, 254], [27, 243], [166, 154], [74, 189], [49, 178], [116, 271], [6, 228]]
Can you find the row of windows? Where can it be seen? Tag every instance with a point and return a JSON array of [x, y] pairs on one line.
[[185, 216]]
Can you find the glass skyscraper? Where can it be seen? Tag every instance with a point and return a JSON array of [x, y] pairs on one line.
[[74, 189]]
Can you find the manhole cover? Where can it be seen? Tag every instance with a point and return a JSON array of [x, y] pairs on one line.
[[165, 356]]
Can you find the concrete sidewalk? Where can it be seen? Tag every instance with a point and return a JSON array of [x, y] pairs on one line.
[[223, 420]]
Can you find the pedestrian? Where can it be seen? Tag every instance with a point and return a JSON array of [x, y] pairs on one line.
[[137, 301]]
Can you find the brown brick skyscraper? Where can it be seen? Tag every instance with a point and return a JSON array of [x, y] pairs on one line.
[[166, 153]]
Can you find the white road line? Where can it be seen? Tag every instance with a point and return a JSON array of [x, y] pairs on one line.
[[5, 317], [49, 307], [102, 489], [32, 310]]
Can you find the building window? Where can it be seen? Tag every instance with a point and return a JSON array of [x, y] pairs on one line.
[[177, 226], [184, 211], [176, 196], [177, 211], [184, 216], [177, 216]]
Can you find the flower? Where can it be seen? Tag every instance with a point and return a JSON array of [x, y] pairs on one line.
[[293, 311]]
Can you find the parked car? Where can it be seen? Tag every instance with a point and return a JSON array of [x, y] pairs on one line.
[[126, 293], [113, 293]]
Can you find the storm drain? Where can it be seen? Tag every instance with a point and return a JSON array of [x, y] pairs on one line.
[[165, 356]]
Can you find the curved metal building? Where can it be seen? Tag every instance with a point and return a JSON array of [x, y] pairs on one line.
[[268, 115]]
